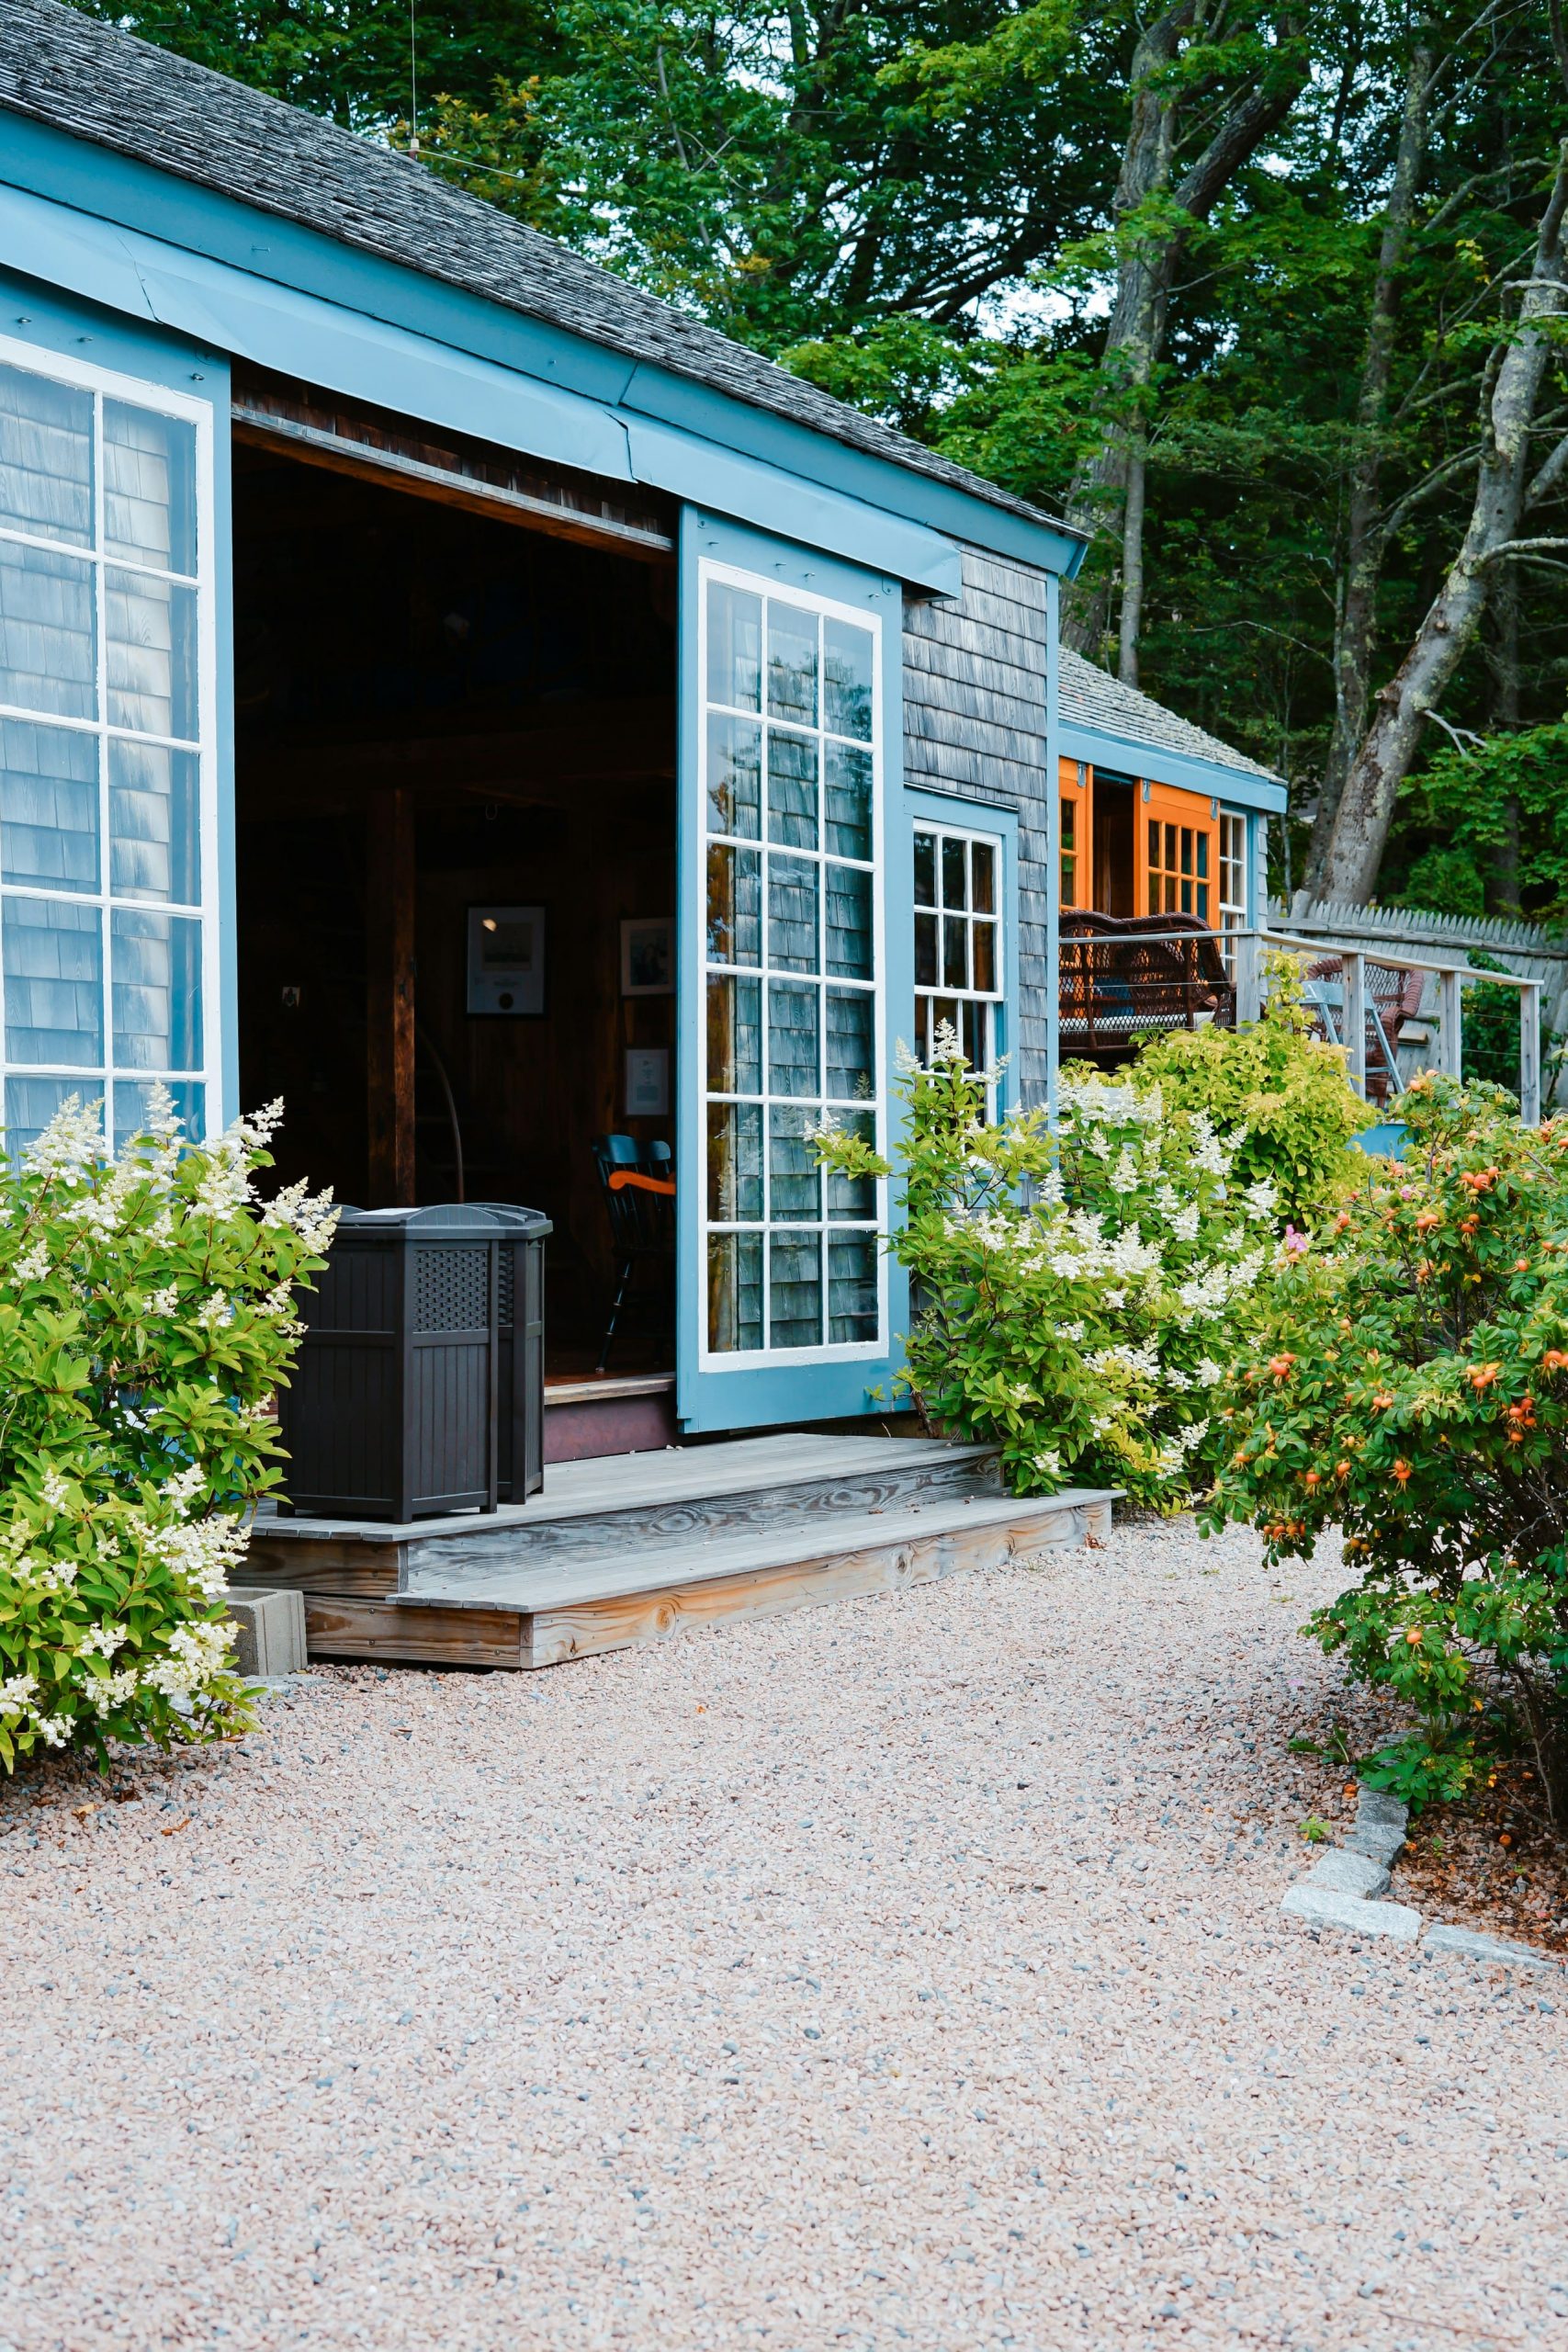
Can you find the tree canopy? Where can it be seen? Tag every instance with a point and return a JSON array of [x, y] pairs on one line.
[[1272, 296]]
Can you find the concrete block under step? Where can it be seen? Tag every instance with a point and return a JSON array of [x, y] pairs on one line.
[[269, 1630]]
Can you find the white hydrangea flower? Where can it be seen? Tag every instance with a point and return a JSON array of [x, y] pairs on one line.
[[56, 1493], [102, 1641], [162, 1305], [71, 1144], [17, 1694], [54, 1729], [33, 1264]]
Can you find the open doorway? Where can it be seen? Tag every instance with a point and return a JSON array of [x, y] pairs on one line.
[[456, 854]]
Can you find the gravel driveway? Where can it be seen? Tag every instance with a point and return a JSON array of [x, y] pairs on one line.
[[907, 1972]]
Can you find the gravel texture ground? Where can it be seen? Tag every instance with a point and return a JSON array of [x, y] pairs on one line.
[[908, 1972]]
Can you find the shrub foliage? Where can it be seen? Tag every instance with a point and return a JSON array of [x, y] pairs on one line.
[[1283, 1091], [146, 1322], [1077, 1293], [1410, 1382]]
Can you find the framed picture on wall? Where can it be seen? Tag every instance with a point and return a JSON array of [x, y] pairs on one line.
[[648, 1082], [506, 961], [648, 955]]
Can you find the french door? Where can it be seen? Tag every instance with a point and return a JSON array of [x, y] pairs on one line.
[[789, 712]]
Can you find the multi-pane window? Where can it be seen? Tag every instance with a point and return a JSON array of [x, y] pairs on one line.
[[101, 738], [1233, 873], [1178, 869], [791, 788], [958, 941]]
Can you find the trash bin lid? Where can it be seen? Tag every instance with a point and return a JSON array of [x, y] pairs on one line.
[[533, 1223], [442, 1221]]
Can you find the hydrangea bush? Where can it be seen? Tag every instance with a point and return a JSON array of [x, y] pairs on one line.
[[1077, 1292], [146, 1322], [1410, 1383]]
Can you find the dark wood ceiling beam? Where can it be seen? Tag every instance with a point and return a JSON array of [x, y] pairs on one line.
[[368, 449]]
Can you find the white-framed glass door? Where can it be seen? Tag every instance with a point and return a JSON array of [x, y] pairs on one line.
[[107, 697], [787, 1298], [792, 1026]]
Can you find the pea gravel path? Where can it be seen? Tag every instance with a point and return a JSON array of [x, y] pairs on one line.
[[901, 1973]]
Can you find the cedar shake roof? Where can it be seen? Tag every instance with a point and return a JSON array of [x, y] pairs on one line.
[[1091, 698], [96, 83]]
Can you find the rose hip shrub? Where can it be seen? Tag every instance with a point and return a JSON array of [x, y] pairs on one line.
[[1078, 1294], [1411, 1382], [146, 1322]]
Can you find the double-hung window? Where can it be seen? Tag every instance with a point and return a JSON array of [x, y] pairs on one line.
[[958, 941], [792, 794], [105, 718]]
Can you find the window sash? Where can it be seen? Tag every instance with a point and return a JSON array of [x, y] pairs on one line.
[[142, 804]]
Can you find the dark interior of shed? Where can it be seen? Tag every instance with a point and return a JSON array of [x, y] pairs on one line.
[[448, 721]]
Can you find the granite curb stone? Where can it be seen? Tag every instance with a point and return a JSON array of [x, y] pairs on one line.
[[1340, 1888], [1344, 1871], [1324, 1906]]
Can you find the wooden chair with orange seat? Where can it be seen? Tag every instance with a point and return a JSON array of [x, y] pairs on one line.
[[639, 1195]]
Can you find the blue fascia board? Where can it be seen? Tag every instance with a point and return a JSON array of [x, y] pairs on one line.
[[704, 473], [798, 450], [360, 356], [138, 197], [1236, 787]]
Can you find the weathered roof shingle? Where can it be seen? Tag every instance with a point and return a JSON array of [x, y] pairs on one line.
[[1091, 698]]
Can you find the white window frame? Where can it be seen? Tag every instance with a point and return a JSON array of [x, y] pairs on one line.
[[88, 1081], [994, 999], [1233, 912], [709, 1358]]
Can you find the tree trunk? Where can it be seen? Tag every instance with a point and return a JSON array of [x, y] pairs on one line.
[[1355, 623], [1383, 757], [1508, 710], [1145, 273], [1131, 614]]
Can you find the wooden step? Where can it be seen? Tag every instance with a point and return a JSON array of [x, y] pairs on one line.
[[553, 1611], [626, 1506]]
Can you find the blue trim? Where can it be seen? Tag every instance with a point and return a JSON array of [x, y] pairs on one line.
[[1229, 785], [1054, 749], [137, 195], [753, 1396], [360, 356], [227, 912], [961, 811]]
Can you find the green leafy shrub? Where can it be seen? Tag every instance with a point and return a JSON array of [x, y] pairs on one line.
[[1284, 1090], [1078, 1292], [146, 1322], [1411, 1382]]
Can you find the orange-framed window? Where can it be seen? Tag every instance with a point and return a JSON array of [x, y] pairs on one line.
[[1075, 805], [1177, 855]]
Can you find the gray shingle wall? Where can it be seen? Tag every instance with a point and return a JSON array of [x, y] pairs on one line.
[[974, 728]]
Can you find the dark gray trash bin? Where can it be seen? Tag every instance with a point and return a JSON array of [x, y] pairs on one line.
[[393, 1409]]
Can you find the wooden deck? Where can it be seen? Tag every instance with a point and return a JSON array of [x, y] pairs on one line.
[[639, 1547]]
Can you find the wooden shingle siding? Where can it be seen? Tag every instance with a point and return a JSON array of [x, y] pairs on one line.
[[974, 669]]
